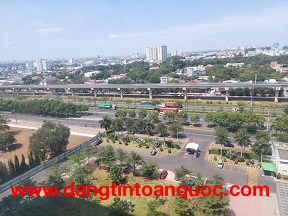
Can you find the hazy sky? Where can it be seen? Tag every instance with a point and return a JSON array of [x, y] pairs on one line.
[[87, 28]]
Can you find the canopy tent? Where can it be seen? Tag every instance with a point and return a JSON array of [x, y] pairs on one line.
[[269, 167], [192, 147]]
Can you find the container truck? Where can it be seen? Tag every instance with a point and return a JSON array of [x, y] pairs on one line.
[[166, 109]]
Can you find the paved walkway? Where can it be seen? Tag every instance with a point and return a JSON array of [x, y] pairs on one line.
[[252, 176]]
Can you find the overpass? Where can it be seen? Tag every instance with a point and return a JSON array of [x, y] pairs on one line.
[[120, 87]]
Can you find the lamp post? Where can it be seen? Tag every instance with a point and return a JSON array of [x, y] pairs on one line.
[[268, 120]]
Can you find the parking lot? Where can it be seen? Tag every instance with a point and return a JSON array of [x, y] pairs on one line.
[[237, 169]]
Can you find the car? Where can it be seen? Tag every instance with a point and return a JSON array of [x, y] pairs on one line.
[[44, 120], [98, 142], [220, 164], [188, 182], [197, 153], [229, 144], [163, 174], [153, 152]]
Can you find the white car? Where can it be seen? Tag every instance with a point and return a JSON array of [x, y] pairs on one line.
[[220, 164]]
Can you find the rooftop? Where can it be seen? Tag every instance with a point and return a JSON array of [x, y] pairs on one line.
[[283, 154]]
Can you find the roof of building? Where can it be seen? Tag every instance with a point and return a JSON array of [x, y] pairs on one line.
[[268, 167], [283, 154]]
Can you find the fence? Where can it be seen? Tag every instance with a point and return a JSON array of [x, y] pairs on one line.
[[45, 165]]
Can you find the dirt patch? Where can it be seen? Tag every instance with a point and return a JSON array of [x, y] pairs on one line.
[[22, 136]]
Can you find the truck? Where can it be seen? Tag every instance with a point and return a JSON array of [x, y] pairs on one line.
[[170, 104], [106, 106], [146, 103], [166, 109]]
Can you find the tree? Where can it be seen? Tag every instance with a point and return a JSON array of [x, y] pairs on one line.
[[117, 124], [243, 138], [175, 128], [148, 168], [131, 113], [4, 175], [6, 139], [31, 160], [120, 113], [120, 207], [241, 106], [195, 118], [121, 156], [106, 155], [105, 123], [261, 146], [49, 141], [170, 116], [17, 165], [142, 113], [3, 124], [140, 125], [217, 179], [182, 116], [153, 116], [161, 128], [209, 118], [11, 168], [115, 173], [135, 159], [221, 136], [23, 165], [263, 135], [149, 127], [181, 172]]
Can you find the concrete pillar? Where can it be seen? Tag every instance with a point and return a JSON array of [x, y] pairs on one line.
[[150, 93], [73, 92], [121, 93], [227, 94], [277, 89], [17, 91], [33, 92], [52, 92], [185, 93]]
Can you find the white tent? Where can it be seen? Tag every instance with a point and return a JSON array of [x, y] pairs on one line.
[[192, 146]]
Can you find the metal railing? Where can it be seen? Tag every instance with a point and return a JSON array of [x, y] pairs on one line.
[[45, 165]]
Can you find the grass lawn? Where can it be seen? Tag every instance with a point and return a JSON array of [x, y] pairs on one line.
[[100, 177]]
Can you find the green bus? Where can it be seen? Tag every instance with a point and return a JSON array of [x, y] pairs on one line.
[[106, 106]]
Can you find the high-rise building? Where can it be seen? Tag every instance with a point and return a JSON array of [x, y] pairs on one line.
[[176, 53], [42, 65], [156, 53]]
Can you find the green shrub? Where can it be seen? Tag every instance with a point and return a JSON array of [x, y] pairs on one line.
[[161, 149], [240, 159], [215, 158], [120, 142], [219, 102], [236, 161], [278, 176], [147, 146], [169, 151], [247, 162], [224, 159]]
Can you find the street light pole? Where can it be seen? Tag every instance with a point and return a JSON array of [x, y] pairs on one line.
[[268, 119]]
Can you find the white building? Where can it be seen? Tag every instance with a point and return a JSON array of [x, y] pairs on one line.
[[42, 65], [164, 79], [70, 61], [176, 53], [282, 161], [156, 53], [29, 65], [88, 74]]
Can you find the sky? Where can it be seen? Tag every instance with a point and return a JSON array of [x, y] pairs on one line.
[[33, 29]]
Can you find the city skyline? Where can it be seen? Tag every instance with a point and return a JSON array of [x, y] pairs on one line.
[[52, 29]]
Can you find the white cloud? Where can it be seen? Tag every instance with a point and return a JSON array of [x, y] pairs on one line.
[[113, 36], [50, 30]]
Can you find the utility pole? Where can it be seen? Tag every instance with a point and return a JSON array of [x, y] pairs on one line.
[[268, 119]]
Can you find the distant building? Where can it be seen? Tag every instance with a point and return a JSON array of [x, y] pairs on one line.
[[49, 81], [282, 68], [88, 74], [176, 53], [41, 65], [234, 64], [164, 79], [29, 65], [156, 53], [70, 61]]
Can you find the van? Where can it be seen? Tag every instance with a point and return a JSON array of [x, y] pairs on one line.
[[220, 164]]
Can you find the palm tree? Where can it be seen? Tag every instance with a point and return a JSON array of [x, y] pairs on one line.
[[261, 146], [105, 123], [117, 124], [243, 138], [221, 136]]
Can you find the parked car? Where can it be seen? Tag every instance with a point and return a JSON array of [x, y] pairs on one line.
[[229, 144], [153, 152], [220, 164], [188, 182], [163, 174], [98, 141]]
